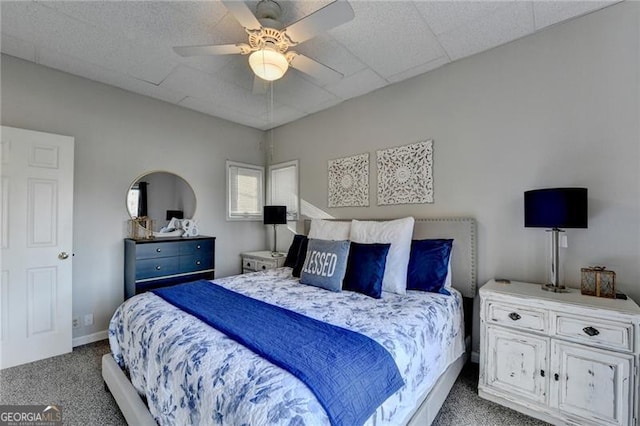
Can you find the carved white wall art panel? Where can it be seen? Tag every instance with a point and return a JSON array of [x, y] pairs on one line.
[[405, 174], [349, 181]]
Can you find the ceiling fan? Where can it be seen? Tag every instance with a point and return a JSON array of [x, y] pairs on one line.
[[269, 43]]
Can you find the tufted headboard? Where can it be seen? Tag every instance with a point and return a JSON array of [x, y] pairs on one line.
[[463, 259]]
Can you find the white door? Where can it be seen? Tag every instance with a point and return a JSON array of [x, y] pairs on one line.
[[36, 219], [591, 383]]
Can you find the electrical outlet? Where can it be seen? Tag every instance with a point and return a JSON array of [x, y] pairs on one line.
[[564, 242], [88, 319], [75, 323]]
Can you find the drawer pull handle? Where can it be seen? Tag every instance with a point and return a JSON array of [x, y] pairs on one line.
[[264, 267], [197, 262], [556, 377], [248, 263], [514, 316], [541, 373], [158, 268], [158, 250], [198, 247], [591, 331]]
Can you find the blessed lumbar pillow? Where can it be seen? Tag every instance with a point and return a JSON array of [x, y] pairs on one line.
[[398, 233], [325, 264]]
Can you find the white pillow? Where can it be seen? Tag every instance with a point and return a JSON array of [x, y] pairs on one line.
[[329, 230], [398, 233], [447, 281]]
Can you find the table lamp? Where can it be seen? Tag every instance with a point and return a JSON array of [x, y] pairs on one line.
[[275, 215], [555, 208]]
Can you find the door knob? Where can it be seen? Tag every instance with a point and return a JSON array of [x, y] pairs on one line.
[[63, 255]]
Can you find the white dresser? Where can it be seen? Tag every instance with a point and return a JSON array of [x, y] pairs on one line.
[[261, 261], [561, 357]]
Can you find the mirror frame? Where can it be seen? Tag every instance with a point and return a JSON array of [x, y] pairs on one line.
[[147, 173]]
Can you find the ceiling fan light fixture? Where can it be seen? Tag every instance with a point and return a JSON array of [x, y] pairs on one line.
[[268, 64]]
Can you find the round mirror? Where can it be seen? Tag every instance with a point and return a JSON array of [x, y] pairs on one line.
[[161, 196]]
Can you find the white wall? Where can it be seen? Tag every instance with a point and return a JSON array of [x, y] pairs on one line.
[[119, 136], [558, 108]]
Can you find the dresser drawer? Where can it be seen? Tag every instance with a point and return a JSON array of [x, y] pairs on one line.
[[152, 250], [249, 264], [194, 247], [264, 265], [522, 317], [594, 331], [196, 262], [152, 268]]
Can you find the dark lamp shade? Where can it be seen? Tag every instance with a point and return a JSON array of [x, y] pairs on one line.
[[556, 208], [275, 215]]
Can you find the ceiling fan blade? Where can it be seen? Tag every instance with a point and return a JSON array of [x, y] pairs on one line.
[[330, 16], [315, 69], [260, 86], [243, 14], [220, 49]]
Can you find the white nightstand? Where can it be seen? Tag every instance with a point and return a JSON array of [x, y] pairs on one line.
[[261, 261], [561, 357]]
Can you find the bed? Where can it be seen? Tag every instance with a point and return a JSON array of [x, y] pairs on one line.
[[161, 348]]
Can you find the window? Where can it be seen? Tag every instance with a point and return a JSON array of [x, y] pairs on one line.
[[245, 191], [283, 187]]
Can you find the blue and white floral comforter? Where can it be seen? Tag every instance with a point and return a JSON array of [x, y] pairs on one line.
[[191, 373]]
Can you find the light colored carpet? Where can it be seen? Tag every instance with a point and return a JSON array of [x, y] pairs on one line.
[[74, 383]]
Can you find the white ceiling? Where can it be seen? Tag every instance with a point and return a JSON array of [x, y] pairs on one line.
[[129, 44]]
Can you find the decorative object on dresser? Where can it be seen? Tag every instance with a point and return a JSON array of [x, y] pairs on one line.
[[597, 281], [555, 208], [165, 262], [559, 357], [405, 174], [254, 261], [275, 215]]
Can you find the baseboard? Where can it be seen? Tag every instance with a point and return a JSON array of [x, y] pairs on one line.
[[90, 338], [475, 357]]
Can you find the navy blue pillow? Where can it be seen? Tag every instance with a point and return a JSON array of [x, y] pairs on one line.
[[365, 269], [302, 255], [294, 251], [429, 265]]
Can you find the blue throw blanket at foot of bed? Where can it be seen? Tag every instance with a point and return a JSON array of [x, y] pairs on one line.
[[350, 374]]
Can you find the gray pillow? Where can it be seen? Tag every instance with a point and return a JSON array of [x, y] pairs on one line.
[[325, 264]]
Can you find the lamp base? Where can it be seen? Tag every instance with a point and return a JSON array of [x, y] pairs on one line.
[[555, 289]]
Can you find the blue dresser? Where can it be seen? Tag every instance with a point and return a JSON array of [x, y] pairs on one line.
[[163, 262]]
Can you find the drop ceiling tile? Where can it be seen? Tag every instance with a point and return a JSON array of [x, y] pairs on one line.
[[298, 93], [155, 20], [198, 84], [551, 12], [357, 84], [420, 69], [48, 29], [19, 48], [94, 72], [509, 23], [332, 54], [215, 109], [390, 37], [237, 71], [443, 16]]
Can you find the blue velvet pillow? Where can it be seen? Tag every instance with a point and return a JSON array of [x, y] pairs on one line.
[[294, 251], [302, 255], [365, 269], [325, 264], [428, 265]]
